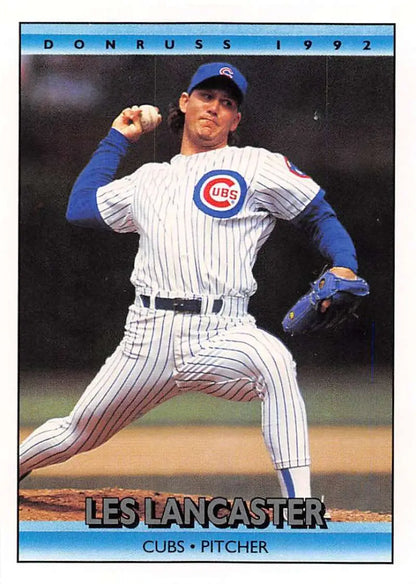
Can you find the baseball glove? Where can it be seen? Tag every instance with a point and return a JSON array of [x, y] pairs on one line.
[[345, 295]]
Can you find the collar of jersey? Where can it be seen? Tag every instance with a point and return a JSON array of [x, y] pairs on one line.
[[180, 156]]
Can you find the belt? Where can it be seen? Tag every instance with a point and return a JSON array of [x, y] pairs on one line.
[[180, 304]]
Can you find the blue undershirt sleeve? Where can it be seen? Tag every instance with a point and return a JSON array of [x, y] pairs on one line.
[[82, 207], [320, 222]]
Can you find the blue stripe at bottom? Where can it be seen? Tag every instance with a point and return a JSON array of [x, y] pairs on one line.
[[341, 542]]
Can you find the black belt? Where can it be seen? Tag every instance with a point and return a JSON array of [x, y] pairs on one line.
[[180, 304]]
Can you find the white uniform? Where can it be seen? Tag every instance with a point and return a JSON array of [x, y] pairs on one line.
[[201, 220]]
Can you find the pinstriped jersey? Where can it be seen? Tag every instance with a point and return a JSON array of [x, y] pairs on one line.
[[203, 218]]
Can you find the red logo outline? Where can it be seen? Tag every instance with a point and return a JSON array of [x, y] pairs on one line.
[[294, 170], [206, 192], [227, 71]]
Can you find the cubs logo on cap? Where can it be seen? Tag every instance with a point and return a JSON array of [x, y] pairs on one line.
[[227, 71], [210, 70], [220, 193]]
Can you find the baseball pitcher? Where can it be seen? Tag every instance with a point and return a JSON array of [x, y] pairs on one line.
[[202, 218]]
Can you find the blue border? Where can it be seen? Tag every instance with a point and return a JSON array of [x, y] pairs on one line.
[[74, 541], [207, 28], [180, 39]]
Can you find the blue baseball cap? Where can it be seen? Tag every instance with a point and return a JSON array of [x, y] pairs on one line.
[[229, 72]]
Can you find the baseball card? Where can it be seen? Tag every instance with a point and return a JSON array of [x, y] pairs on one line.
[[206, 358]]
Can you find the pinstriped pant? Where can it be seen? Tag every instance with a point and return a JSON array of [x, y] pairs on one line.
[[164, 354]]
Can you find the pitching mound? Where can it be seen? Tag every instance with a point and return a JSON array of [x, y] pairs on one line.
[[69, 504]]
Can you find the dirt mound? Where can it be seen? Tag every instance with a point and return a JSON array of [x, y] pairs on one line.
[[69, 504]]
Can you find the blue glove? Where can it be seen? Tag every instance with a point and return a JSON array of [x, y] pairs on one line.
[[344, 295]]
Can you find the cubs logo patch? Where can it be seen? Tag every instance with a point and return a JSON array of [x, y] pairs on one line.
[[227, 71], [220, 193], [295, 169]]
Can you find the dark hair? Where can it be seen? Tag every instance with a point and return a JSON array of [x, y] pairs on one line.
[[176, 118]]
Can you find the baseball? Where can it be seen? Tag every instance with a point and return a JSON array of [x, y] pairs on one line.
[[149, 118]]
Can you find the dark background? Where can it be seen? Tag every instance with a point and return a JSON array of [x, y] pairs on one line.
[[332, 116]]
